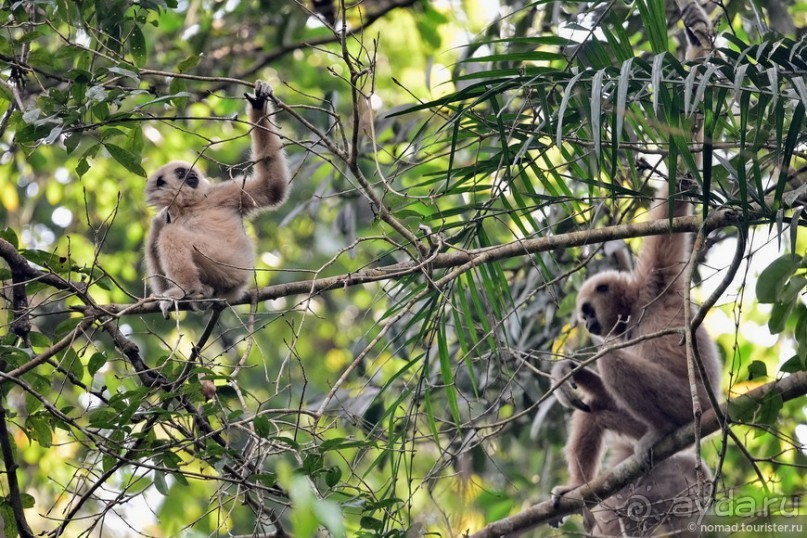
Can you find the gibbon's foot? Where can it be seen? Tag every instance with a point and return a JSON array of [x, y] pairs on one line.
[[167, 306], [560, 491], [698, 26], [567, 393], [687, 186], [263, 92], [644, 449], [174, 295], [557, 493]]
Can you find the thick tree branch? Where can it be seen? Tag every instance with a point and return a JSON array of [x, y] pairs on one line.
[[20, 265], [20, 312], [14, 492], [460, 260], [606, 484], [46, 355]]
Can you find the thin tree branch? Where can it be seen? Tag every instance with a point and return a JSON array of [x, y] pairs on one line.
[[460, 260], [335, 37], [67, 340]]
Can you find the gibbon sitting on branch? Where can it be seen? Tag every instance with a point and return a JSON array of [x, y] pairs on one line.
[[197, 247]]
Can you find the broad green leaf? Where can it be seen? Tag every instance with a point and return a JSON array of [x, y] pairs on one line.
[[9, 524], [780, 312], [39, 430], [127, 159], [188, 63], [263, 428], [160, 483], [772, 279], [757, 369], [769, 410], [10, 235], [333, 475], [137, 46]]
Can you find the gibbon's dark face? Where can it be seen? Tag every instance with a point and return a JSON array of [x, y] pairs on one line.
[[604, 304], [176, 183]]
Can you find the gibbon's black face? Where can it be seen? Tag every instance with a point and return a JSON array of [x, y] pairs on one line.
[[589, 317], [604, 304], [176, 183]]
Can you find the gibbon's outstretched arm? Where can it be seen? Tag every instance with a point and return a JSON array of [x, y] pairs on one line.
[[662, 259], [660, 263], [268, 185]]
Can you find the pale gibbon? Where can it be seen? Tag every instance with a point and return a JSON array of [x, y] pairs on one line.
[[642, 392], [198, 247], [700, 33]]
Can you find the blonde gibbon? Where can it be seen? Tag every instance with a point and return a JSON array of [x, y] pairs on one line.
[[197, 247], [642, 392]]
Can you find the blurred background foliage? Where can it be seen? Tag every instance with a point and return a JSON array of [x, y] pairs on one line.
[[417, 403]]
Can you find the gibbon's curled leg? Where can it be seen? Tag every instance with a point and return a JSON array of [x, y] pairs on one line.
[[197, 246], [595, 414]]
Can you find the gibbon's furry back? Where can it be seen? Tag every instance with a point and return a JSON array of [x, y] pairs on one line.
[[197, 246]]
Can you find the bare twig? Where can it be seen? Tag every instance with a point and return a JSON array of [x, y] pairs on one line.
[[335, 37]]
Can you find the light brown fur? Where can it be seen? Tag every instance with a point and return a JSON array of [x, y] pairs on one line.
[[643, 390], [667, 500], [699, 30], [197, 247]]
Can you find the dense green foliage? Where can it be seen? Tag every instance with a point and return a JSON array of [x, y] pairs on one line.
[[388, 376]]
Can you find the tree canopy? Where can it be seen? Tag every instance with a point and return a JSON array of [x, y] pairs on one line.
[[459, 169]]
